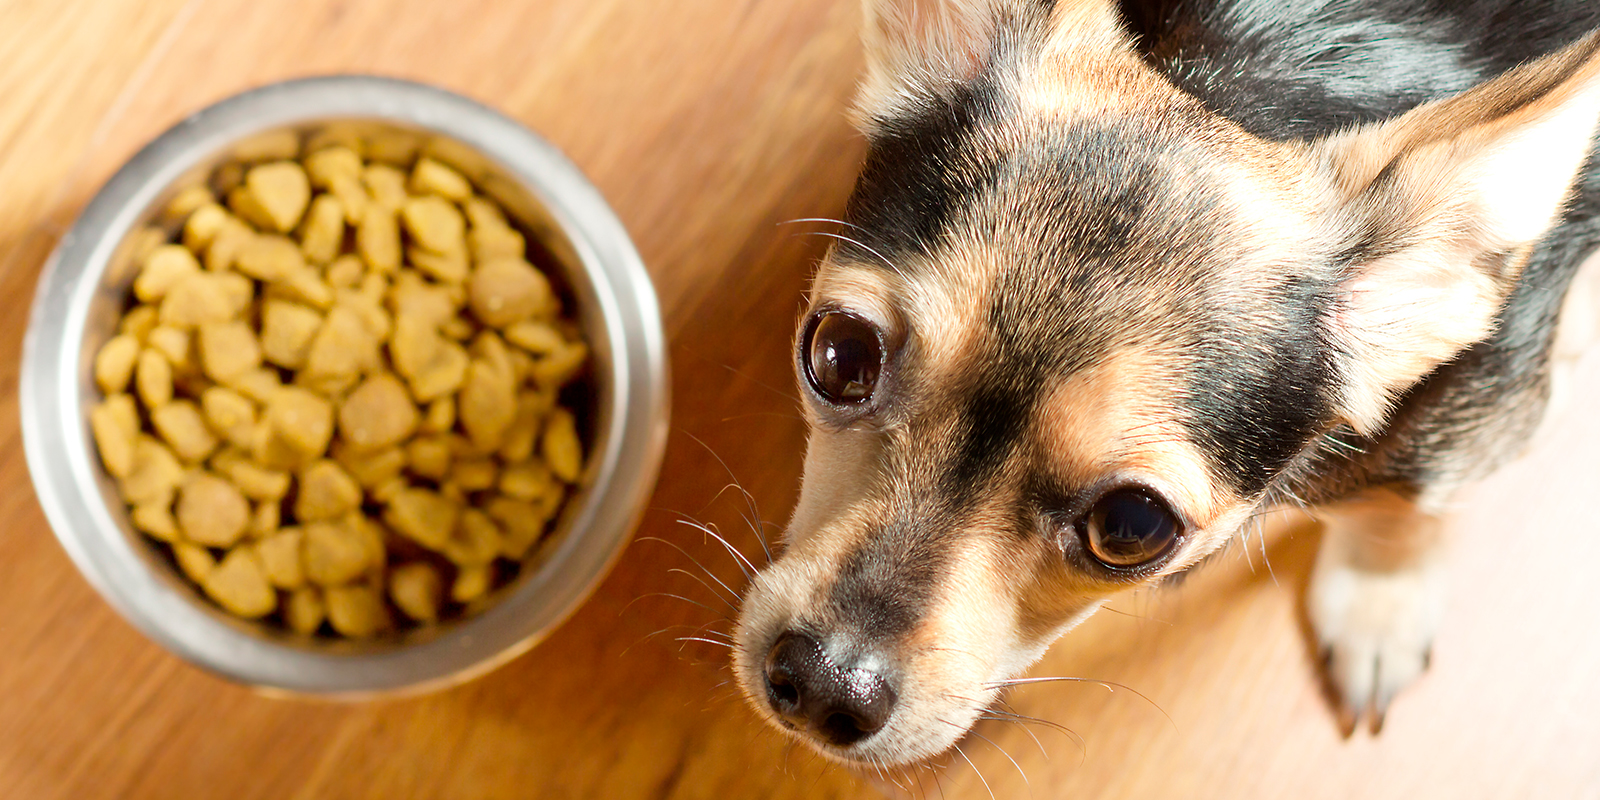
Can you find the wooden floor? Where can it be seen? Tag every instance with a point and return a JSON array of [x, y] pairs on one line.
[[708, 124]]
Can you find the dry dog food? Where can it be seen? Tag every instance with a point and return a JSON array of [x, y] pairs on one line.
[[335, 396]]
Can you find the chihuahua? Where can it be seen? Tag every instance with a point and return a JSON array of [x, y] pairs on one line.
[[1114, 280]]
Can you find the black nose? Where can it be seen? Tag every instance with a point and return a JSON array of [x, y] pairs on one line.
[[841, 705]]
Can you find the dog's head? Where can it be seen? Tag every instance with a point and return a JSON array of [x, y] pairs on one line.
[[1081, 331]]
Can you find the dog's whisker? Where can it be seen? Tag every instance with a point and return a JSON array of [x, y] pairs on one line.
[[745, 566], [758, 382], [1025, 781], [728, 645], [1024, 720], [750, 500], [975, 770], [1110, 686], [841, 237], [729, 603], [1024, 729], [696, 562], [666, 594], [823, 219]]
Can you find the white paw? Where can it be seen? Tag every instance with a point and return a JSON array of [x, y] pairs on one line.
[[1375, 631]]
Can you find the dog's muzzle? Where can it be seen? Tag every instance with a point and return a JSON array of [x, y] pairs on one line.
[[839, 704]]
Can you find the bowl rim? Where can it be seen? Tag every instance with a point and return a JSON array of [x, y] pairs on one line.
[[61, 457]]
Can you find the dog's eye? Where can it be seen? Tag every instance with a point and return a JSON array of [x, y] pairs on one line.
[[1128, 527], [842, 355]]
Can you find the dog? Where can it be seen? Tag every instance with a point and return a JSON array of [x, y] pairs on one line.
[[1117, 278]]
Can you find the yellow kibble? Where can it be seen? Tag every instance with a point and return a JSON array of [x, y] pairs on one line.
[[342, 348], [476, 542], [503, 291], [422, 516], [229, 413], [558, 368], [385, 185], [228, 350], [332, 553], [487, 404], [304, 611], [265, 520], [301, 419], [176, 345], [222, 253], [155, 520], [429, 457], [239, 584], [287, 329], [378, 238], [471, 583], [139, 322], [525, 481], [323, 232], [195, 561], [356, 611], [417, 590], [442, 375], [257, 482], [203, 225], [441, 416], [113, 365], [269, 258], [370, 468], [561, 448], [155, 474], [280, 558], [114, 422], [378, 414], [257, 384], [152, 379], [212, 511], [435, 224], [491, 242], [187, 202], [281, 190], [271, 146], [327, 164], [345, 271], [536, 337], [184, 429], [325, 491], [165, 266], [451, 267], [305, 286], [431, 177], [197, 299], [394, 147], [352, 197]]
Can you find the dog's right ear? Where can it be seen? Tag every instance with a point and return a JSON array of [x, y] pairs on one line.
[[918, 48]]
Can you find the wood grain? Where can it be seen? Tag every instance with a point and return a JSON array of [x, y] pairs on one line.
[[707, 123]]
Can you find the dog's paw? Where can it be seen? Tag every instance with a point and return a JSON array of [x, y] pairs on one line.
[[1375, 631]]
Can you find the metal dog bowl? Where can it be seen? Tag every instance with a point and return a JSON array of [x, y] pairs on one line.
[[85, 284]]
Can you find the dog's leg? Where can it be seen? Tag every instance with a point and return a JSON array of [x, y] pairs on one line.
[[1376, 599]]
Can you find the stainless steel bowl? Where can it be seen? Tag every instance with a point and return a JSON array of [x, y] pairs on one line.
[[86, 282]]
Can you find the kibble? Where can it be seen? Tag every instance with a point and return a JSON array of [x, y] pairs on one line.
[[334, 393]]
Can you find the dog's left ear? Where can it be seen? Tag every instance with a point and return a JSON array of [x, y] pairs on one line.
[[1437, 211]]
